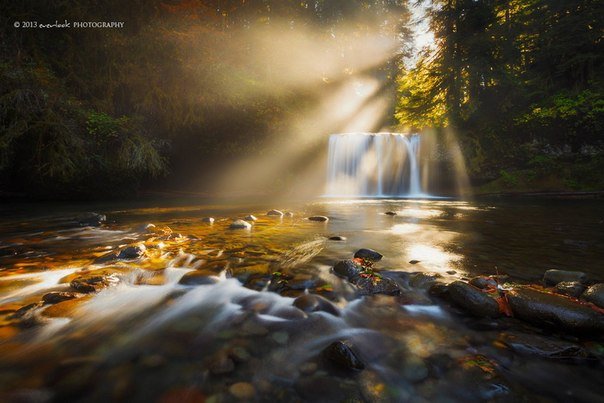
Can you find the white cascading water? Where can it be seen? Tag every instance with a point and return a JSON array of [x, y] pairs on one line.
[[374, 165]]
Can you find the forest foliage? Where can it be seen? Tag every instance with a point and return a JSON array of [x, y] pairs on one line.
[[185, 86]]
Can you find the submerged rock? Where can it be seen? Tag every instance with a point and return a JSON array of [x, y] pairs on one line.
[[595, 294], [473, 300], [250, 217], [571, 288], [319, 218], [198, 278], [337, 238], [313, 303], [342, 355], [91, 219], [209, 220], [554, 276], [90, 284], [240, 224], [132, 252], [540, 346], [56, 297], [277, 213], [553, 310], [368, 254]]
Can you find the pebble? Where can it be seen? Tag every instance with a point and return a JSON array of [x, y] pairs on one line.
[[337, 238], [390, 213], [242, 390], [277, 213], [319, 218], [240, 224]]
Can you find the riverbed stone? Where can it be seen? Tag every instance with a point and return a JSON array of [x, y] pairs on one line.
[[341, 354], [198, 278], [348, 269], [132, 252], [553, 310], [571, 288], [555, 276], [91, 219], [376, 285], [483, 282], [314, 303], [90, 284], [541, 346], [368, 254], [243, 390], [209, 220], [472, 300], [56, 297], [276, 213], [337, 238], [240, 224], [595, 294], [318, 218], [250, 217], [391, 213]]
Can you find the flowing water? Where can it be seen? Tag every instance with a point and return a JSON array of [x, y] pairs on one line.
[[148, 337], [374, 165]]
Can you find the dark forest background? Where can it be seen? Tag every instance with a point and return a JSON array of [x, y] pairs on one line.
[[180, 91]]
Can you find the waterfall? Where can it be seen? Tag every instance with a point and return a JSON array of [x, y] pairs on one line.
[[374, 165]]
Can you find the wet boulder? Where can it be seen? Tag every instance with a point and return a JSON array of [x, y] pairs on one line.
[[318, 218], [595, 294], [132, 252], [368, 254], [91, 219], [483, 282], [554, 276], [545, 309], [314, 303], [348, 269], [472, 300], [570, 288], [56, 297], [240, 224], [250, 217], [375, 284], [340, 354], [90, 284], [423, 280], [198, 278], [276, 213]]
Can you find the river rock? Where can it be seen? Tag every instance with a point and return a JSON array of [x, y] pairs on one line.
[[132, 252], [198, 278], [56, 297], [483, 282], [209, 220], [243, 390], [313, 303], [553, 310], [414, 261], [90, 284], [337, 238], [554, 276], [571, 288], [376, 285], [319, 218], [368, 254], [540, 346], [473, 300], [240, 224], [423, 280], [595, 294], [91, 219], [250, 217], [348, 269], [390, 213], [341, 354], [277, 213]]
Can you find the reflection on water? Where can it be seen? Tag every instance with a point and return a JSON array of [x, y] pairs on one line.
[[207, 307]]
